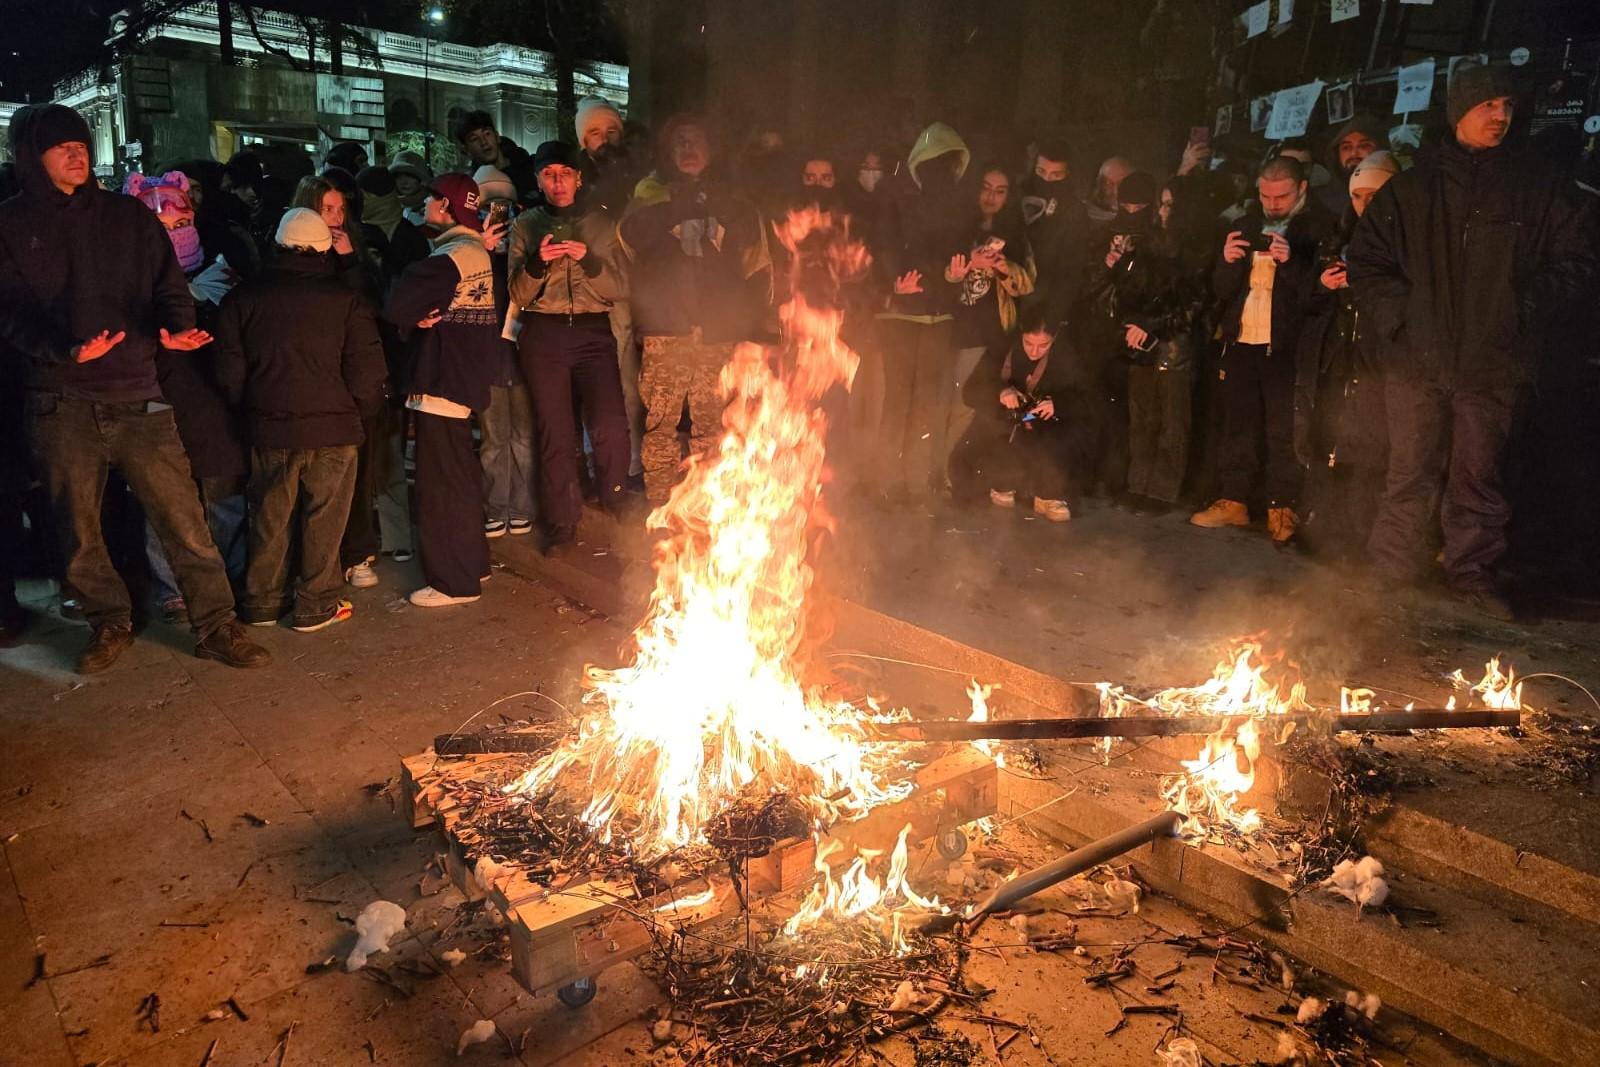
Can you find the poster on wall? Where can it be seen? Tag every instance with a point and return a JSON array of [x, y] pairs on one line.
[[1260, 113], [1341, 103], [1224, 124], [1413, 87], [1256, 17], [1344, 10], [1561, 100], [1291, 111]]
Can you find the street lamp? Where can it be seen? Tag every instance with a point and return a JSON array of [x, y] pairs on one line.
[[432, 18]]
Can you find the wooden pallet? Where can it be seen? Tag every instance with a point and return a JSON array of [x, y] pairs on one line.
[[568, 933]]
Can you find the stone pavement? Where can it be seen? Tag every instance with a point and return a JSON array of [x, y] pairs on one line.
[[176, 828]]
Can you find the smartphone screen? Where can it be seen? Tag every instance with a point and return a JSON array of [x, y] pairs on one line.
[[499, 212], [1199, 135]]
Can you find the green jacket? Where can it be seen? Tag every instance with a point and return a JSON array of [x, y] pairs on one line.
[[587, 286]]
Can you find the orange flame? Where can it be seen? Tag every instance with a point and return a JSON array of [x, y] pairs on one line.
[[857, 892], [712, 704]]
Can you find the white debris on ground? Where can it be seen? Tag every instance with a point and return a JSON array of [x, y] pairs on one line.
[[1360, 881], [1288, 1051], [476, 1034], [377, 923], [905, 997], [486, 871], [1180, 1052], [453, 956], [1122, 896], [1368, 1005], [661, 1032], [1311, 1010]]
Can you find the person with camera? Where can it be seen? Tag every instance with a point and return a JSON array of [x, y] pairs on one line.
[[1339, 430], [1034, 430], [1266, 279], [1461, 265], [563, 281], [1146, 301]]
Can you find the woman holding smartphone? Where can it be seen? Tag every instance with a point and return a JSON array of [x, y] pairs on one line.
[[993, 269]]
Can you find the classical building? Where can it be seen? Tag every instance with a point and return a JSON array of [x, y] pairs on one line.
[[171, 98]]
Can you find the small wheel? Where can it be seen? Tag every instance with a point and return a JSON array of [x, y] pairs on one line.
[[577, 994], [952, 844]]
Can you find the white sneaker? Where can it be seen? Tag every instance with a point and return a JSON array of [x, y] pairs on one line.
[[429, 597], [518, 527], [494, 528], [1054, 510], [1003, 498], [362, 576]]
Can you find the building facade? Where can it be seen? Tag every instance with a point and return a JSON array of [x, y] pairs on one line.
[[171, 98]]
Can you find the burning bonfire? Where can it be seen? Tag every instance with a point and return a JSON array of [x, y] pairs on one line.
[[714, 742]]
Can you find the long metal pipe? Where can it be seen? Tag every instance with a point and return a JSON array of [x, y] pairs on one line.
[[1181, 725], [1079, 860]]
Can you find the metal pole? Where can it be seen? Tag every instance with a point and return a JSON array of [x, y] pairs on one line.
[[1076, 862], [1377, 32], [427, 98], [1183, 725]]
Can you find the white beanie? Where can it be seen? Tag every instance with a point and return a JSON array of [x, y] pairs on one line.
[[301, 227], [494, 183], [587, 107], [1374, 172]]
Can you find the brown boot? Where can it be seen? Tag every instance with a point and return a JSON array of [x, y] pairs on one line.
[[1282, 524], [228, 644], [1222, 513], [110, 641]]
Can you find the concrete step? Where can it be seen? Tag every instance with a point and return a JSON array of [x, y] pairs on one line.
[[1520, 990], [1487, 839]]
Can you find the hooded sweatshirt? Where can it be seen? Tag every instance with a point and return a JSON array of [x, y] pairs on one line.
[[72, 266], [1335, 196], [929, 226]]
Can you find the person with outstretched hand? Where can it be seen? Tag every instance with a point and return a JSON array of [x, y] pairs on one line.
[[90, 290]]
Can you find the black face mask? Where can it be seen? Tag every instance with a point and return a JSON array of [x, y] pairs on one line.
[[1034, 185], [607, 154], [1041, 198]]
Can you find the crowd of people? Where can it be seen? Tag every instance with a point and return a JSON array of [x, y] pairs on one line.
[[294, 374]]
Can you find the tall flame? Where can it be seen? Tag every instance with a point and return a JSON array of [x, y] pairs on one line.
[[712, 703]]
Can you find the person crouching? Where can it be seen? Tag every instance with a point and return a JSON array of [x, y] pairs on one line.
[[299, 351]]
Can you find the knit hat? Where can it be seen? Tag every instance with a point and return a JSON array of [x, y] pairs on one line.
[[375, 181], [464, 196], [56, 124], [413, 164], [301, 227], [1472, 85], [1374, 172], [590, 107], [1137, 188], [494, 183], [557, 153]]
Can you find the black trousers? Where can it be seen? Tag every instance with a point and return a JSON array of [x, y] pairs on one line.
[[565, 361], [77, 442], [1257, 447], [1045, 460], [1159, 404], [304, 494], [449, 500], [1454, 440], [918, 372]]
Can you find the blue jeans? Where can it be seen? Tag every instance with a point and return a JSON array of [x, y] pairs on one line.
[[227, 512]]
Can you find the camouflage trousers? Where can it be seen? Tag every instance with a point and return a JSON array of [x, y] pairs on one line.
[[678, 369]]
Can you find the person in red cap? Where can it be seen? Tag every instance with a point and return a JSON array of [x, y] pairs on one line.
[[445, 306]]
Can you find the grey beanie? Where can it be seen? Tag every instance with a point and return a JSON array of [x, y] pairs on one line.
[[1472, 85]]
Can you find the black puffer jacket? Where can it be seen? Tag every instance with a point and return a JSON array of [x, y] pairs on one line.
[[300, 352], [72, 266], [1461, 262]]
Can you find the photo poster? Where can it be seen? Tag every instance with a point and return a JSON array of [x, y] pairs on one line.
[[1256, 17], [1341, 103], [1260, 113], [1224, 124], [1291, 111], [1345, 10], [1413, 87]]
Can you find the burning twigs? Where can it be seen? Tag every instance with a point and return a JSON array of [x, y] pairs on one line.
[[833, 989], [1197, 725]]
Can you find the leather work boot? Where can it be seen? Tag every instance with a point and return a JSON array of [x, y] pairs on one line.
[[1220, 514], [228, 644], [1282, 524], [110, 641]]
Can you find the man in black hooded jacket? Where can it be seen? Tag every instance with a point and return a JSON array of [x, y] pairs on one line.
[[1460, 264], [90, 289]]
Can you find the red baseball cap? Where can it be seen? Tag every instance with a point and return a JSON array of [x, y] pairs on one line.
[[463, 196]]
